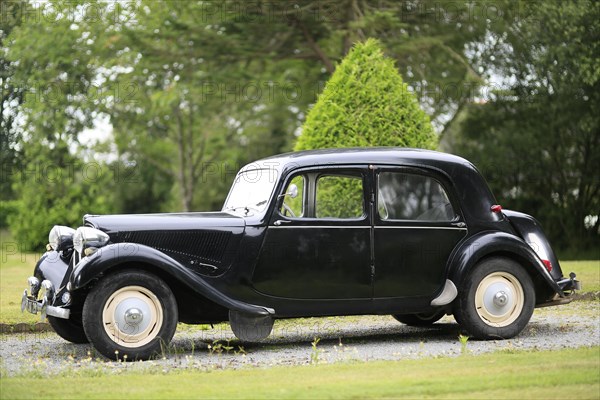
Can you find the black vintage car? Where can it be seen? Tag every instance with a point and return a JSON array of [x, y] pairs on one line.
[[412, 233]]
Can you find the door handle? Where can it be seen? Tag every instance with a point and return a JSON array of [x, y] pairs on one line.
[[458, 224], [281, 221]]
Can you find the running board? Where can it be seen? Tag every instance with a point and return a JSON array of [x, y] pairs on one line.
[[448, 294]]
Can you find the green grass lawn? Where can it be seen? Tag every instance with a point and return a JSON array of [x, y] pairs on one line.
[[588, 272], [15, 267], [571, 374]]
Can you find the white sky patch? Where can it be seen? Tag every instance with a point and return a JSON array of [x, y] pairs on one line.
[[101, 133]]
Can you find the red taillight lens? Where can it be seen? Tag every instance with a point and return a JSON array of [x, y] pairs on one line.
[[496, 208], [548, 265]]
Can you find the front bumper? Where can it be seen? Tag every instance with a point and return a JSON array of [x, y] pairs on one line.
[[42, 295]]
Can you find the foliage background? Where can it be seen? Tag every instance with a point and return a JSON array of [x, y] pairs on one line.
[[147, 106]]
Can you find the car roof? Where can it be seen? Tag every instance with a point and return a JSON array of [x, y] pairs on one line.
[[372, 155]]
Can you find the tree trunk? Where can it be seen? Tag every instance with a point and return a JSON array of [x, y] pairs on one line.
[[181, 176]]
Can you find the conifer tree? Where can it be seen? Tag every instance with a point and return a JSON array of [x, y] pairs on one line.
[[366, 103]]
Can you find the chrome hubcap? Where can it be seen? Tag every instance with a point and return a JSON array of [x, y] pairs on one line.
[[499, 299], [133, 316]]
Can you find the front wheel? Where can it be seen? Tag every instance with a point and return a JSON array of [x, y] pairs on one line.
[[496, 299], [69, 329], [130, 315]]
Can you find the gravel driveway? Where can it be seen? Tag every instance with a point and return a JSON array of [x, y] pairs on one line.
[[341, 339]]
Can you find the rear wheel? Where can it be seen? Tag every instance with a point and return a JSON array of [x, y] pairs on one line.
[[130, 315], [496, 300], [422, 319]]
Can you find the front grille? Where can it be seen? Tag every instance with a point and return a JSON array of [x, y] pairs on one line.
[[189, 247]]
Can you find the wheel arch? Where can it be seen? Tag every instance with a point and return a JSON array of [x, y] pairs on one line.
[[193, 307], [194, 295], [488, 245]]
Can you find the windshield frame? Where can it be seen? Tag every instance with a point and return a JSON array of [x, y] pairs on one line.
[[261, 177]]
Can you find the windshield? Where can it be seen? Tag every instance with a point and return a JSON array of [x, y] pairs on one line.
[[251, 191]]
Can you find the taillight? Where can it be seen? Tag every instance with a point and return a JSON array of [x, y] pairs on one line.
[[496, 208], [548, 265]]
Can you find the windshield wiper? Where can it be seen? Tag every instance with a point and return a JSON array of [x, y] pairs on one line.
[[247, 209]]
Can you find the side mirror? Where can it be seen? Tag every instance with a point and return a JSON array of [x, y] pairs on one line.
[[292, 191]]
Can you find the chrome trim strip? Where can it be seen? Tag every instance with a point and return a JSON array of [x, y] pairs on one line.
[[369, 226], [321, 226], [422, 227]]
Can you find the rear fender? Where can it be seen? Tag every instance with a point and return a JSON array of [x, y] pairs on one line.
[[531, 231], [118, 254], [487, 244]]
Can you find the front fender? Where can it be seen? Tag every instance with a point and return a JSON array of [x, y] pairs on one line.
[[497, 243], [53, 267], [110, 256]]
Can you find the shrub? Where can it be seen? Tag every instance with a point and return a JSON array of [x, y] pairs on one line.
[[366, 103]]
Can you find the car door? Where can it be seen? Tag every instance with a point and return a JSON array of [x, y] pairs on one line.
[[318, 244], [417, 224]]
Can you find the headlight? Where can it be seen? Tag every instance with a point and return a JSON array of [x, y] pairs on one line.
[[61, 237], [88, 237]]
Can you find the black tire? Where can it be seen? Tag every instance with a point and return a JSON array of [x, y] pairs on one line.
[[130, 315], [422, 319], [457, 317], [495, 300], [69, 329]]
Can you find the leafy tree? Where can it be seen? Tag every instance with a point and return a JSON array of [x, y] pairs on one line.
[[56, 188], [426, 38], [49, 61], [203, 100], [537, 138], [11, 97], [366, 103]]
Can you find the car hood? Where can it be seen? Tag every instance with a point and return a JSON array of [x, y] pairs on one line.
[[205, 242], [113, 224]]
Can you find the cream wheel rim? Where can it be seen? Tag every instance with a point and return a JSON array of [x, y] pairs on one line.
[[132, 316], [499, 299]]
